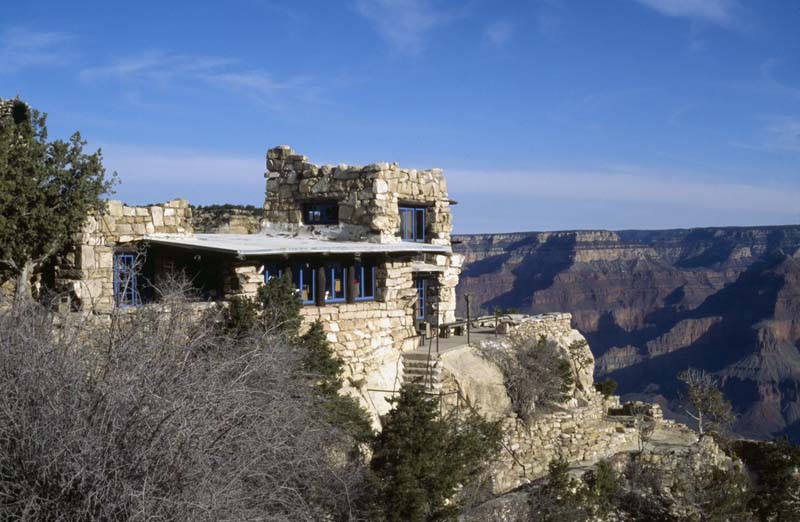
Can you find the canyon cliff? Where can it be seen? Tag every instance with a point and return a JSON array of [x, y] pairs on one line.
[[652, 303]]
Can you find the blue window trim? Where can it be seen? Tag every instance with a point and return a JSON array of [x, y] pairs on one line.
[[272, 271], [331, 285], [414, 214], [362, 293], [420, 311], [126, 291], [302, 269]]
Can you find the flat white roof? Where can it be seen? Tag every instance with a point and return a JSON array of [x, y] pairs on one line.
[[262, 244]]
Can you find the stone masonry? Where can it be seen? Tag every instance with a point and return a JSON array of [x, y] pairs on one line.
[[368, 197], [87, 272], [369, 335]]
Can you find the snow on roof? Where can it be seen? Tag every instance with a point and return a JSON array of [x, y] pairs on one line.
[[262, 244]]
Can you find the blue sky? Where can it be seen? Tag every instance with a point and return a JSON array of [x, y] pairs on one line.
[[544, 114]]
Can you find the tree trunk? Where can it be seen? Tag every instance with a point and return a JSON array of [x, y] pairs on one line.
[[22, 292]]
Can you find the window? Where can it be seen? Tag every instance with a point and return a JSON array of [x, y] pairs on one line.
[[365, 282], [420, 311], [126, 292], [335, 286], [304, 280], [412, 223], [321, 213], [272, 270]]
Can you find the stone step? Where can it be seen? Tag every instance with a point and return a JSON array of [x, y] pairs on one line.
[[412, 363], [433, 385], [422, 367], [419, 356], [425, 375]]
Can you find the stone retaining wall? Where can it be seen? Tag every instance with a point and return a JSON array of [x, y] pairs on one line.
[[578, 434]]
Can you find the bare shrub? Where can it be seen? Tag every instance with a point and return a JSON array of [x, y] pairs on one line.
[[161, 417], [536, 374]]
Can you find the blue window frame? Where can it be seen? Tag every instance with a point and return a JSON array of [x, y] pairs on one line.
[[336, 284], [326, 213], [126, 292], [305, 282], [420, 311], [272, 270], [365, 282], [412, 223]]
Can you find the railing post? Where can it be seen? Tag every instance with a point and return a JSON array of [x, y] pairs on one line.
[[469, 320]]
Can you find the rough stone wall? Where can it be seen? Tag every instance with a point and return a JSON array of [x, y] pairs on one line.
[[369, 336], [368, 196], [87, 272], [579, 434]]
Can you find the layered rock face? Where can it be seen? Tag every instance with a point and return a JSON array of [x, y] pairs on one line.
[[652, 303]]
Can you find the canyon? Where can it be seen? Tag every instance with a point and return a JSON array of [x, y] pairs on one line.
[[653, 303]]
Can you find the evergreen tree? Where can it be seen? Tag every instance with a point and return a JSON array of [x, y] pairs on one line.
[[562, 499], [240, 316], [776, 466], [280, 306], [422, 459], [47, 190], [326, 369]]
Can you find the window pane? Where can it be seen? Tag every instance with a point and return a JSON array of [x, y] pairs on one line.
[[364, 281], [406, 225], [419, 222], [125, 280], [412, 223], [335, 285], [358, 280], [272, 270], [303, 279], [420, 299], [369, 279], [321, 213]]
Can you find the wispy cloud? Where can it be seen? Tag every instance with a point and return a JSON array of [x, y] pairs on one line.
[[174, 70], [155, 66], [499, 33], [770, 69], [782, 133], [151, 174], [405, 24], [21, 48], [716, 11], [641, 188]]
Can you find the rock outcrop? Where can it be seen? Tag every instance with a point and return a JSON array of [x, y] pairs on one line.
[[652, 303], [227, 219], [580, 430]]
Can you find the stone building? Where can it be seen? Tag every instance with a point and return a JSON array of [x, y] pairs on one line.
[[368, 249]]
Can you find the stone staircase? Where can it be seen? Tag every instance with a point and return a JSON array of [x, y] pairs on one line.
[[418, 368]]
